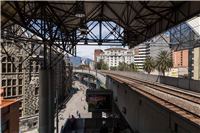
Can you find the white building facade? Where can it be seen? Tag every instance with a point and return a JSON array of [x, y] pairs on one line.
[[142, 51], [112, 56]]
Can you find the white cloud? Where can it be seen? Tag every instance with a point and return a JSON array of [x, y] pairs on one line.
[[88, 51]]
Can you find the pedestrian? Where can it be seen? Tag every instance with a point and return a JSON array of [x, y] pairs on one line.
[[84, 107], [81, 98], [69, 116], [60, 116], [77, 112], [104, 129], [116, 128], [79, 115]]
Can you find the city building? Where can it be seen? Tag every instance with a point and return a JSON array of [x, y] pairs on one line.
[[67, 75], [96, 53], [9, 114], [151, 48], [112, 56], [141, 52], [194, 24], [22, 83], [92, 65], [160, 43]]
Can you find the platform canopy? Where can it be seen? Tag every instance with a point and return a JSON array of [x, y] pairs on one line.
[[57, 21]]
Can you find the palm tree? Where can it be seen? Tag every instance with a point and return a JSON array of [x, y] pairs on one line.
[[133, 67], [148, 64], [122, 66], [164, 62]]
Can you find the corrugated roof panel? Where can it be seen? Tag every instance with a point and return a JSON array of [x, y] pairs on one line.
[[195, 25]]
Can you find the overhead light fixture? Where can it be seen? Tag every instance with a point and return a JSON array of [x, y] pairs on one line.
[[83, 33], [83, 27], [79, 12]]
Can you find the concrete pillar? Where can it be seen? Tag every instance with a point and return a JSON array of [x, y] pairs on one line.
[[98, 84], [46, 101], [88, 80]]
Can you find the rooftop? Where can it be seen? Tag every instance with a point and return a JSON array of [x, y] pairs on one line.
[[116, 48], [6, 102]]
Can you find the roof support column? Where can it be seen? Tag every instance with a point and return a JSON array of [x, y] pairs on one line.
[[46, 101]]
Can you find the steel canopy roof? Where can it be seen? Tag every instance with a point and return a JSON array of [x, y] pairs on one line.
[[141, 20]]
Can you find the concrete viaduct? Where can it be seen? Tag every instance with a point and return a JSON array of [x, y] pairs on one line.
[[142, 113]]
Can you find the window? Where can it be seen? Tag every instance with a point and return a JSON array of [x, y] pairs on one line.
[[4, 59], [4, 91], [9, 91], [20, 113], [9, 67], [20, 90], [36, 111], [3, 67], [36, 90], [3, 82], [20, 104], [14, 81], [5, 126], [14, 90], [31, 68], [13, 68], [20, 67], [9, 82], [37, 68], [20, 81]]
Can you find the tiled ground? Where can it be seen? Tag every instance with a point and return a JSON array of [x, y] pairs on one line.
[[72, 106]]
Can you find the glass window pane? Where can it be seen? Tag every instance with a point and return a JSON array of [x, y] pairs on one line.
[[14, 90]]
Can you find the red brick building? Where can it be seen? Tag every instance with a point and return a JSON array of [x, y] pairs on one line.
[[97, 52], [9, 114], [180, 58]]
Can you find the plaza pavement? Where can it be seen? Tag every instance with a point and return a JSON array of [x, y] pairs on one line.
[[72, 106]]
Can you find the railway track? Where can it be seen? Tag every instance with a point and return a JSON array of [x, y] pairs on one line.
[[151, 91]]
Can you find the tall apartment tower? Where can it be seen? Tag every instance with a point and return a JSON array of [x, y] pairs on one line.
[[97, 52], [141, 52]]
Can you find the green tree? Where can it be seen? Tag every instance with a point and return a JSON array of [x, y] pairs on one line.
[[104, 66], [149, 64], [133, 67], [122, 66], [164, 62], [113, 68], [101, 65]]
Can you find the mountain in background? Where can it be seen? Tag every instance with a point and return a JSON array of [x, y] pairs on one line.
[[77, 60]]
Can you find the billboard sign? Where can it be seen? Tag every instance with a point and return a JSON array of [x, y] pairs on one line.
[[99, 103]]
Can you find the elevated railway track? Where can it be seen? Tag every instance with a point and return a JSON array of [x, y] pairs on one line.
[[183, 103]]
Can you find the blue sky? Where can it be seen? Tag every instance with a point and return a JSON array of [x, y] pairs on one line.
[[88, 51]]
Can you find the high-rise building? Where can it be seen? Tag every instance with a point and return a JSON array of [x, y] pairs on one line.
[[112, 56], [97, 52], [141, 52], [159, 43]]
